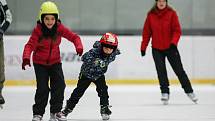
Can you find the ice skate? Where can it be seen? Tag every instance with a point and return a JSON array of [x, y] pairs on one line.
[[37, 118], [61, 116], [165, 98], [52, 117], [2, 101], [1, 106], [193, 97], [105, 112]]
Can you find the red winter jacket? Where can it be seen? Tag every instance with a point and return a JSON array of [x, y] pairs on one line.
[[47, 52], [164, 28]]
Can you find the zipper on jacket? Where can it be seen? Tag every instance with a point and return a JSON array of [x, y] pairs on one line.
[[50, 51]]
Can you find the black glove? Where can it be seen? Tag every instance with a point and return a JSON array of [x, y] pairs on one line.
[[143, 53], [173, 47], [25, 62]]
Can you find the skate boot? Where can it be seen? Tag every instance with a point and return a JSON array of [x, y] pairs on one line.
[[37, 118], [193, 97], [2, 101], [105, 112], [61, 116], [165, 98], [52, 117]]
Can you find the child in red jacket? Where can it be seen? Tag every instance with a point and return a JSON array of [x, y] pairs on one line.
[[44, 43]]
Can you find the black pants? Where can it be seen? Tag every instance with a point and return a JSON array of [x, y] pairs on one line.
[[56, 87], [2, 70], [83, 84], [174, 59]]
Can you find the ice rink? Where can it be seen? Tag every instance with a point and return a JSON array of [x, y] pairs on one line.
[[129, 103]]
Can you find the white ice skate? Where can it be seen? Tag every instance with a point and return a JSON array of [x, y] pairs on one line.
[[105, 116], [37, 118], [193, 97], [52, 117], [165, 98], [105, 112]]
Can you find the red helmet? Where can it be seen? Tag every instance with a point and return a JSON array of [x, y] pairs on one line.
[[109, 39]]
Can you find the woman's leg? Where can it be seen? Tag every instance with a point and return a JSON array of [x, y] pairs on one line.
[[160, 64]]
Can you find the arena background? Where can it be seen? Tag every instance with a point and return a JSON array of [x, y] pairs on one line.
[[91, 18]]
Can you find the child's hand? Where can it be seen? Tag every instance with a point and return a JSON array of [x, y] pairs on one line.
[[25, 62], [79, 51]]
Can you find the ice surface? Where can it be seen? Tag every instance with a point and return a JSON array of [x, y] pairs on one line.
[[129, 103]]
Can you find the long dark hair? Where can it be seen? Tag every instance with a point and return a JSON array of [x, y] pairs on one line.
[[154, 7], [46, 32]]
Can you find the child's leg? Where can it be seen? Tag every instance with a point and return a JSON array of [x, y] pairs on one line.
[[102, 89], [42, 92], [83, 84], [57, 85], [2, 72]]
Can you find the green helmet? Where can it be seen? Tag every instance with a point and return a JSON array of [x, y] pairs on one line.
[[48, 7]]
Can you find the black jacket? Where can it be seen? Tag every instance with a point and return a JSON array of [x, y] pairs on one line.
[[94, 64]]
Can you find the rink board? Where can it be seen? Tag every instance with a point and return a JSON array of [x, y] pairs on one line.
[[128, 68]]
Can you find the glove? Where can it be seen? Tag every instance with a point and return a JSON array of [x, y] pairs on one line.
[[79, 51], [173, 47], [25, 62], [143, 53]]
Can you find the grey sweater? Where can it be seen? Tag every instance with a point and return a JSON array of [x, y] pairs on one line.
[[5, 16]]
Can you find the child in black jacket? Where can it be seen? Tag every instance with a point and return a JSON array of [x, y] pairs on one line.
[[95, 65]]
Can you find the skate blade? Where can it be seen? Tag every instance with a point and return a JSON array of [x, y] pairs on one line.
[[53, 120], [195, 101], [57, 119], [105, 117], [1, 106], [165, 102]]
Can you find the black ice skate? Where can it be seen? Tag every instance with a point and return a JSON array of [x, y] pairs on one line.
[[2, 101], [165, 98], [193, 97], [61, 116], [105, 112]]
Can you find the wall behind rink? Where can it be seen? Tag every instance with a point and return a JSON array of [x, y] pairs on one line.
[[197, 54]]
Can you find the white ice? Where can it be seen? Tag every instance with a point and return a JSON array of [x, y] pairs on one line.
[[129, 103]]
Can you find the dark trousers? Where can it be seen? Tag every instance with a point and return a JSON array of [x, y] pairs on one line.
[[174, 59], [2, 71], [83, 84], [56, 87]]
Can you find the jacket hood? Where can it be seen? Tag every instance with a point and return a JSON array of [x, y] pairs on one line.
[[97, 44]]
